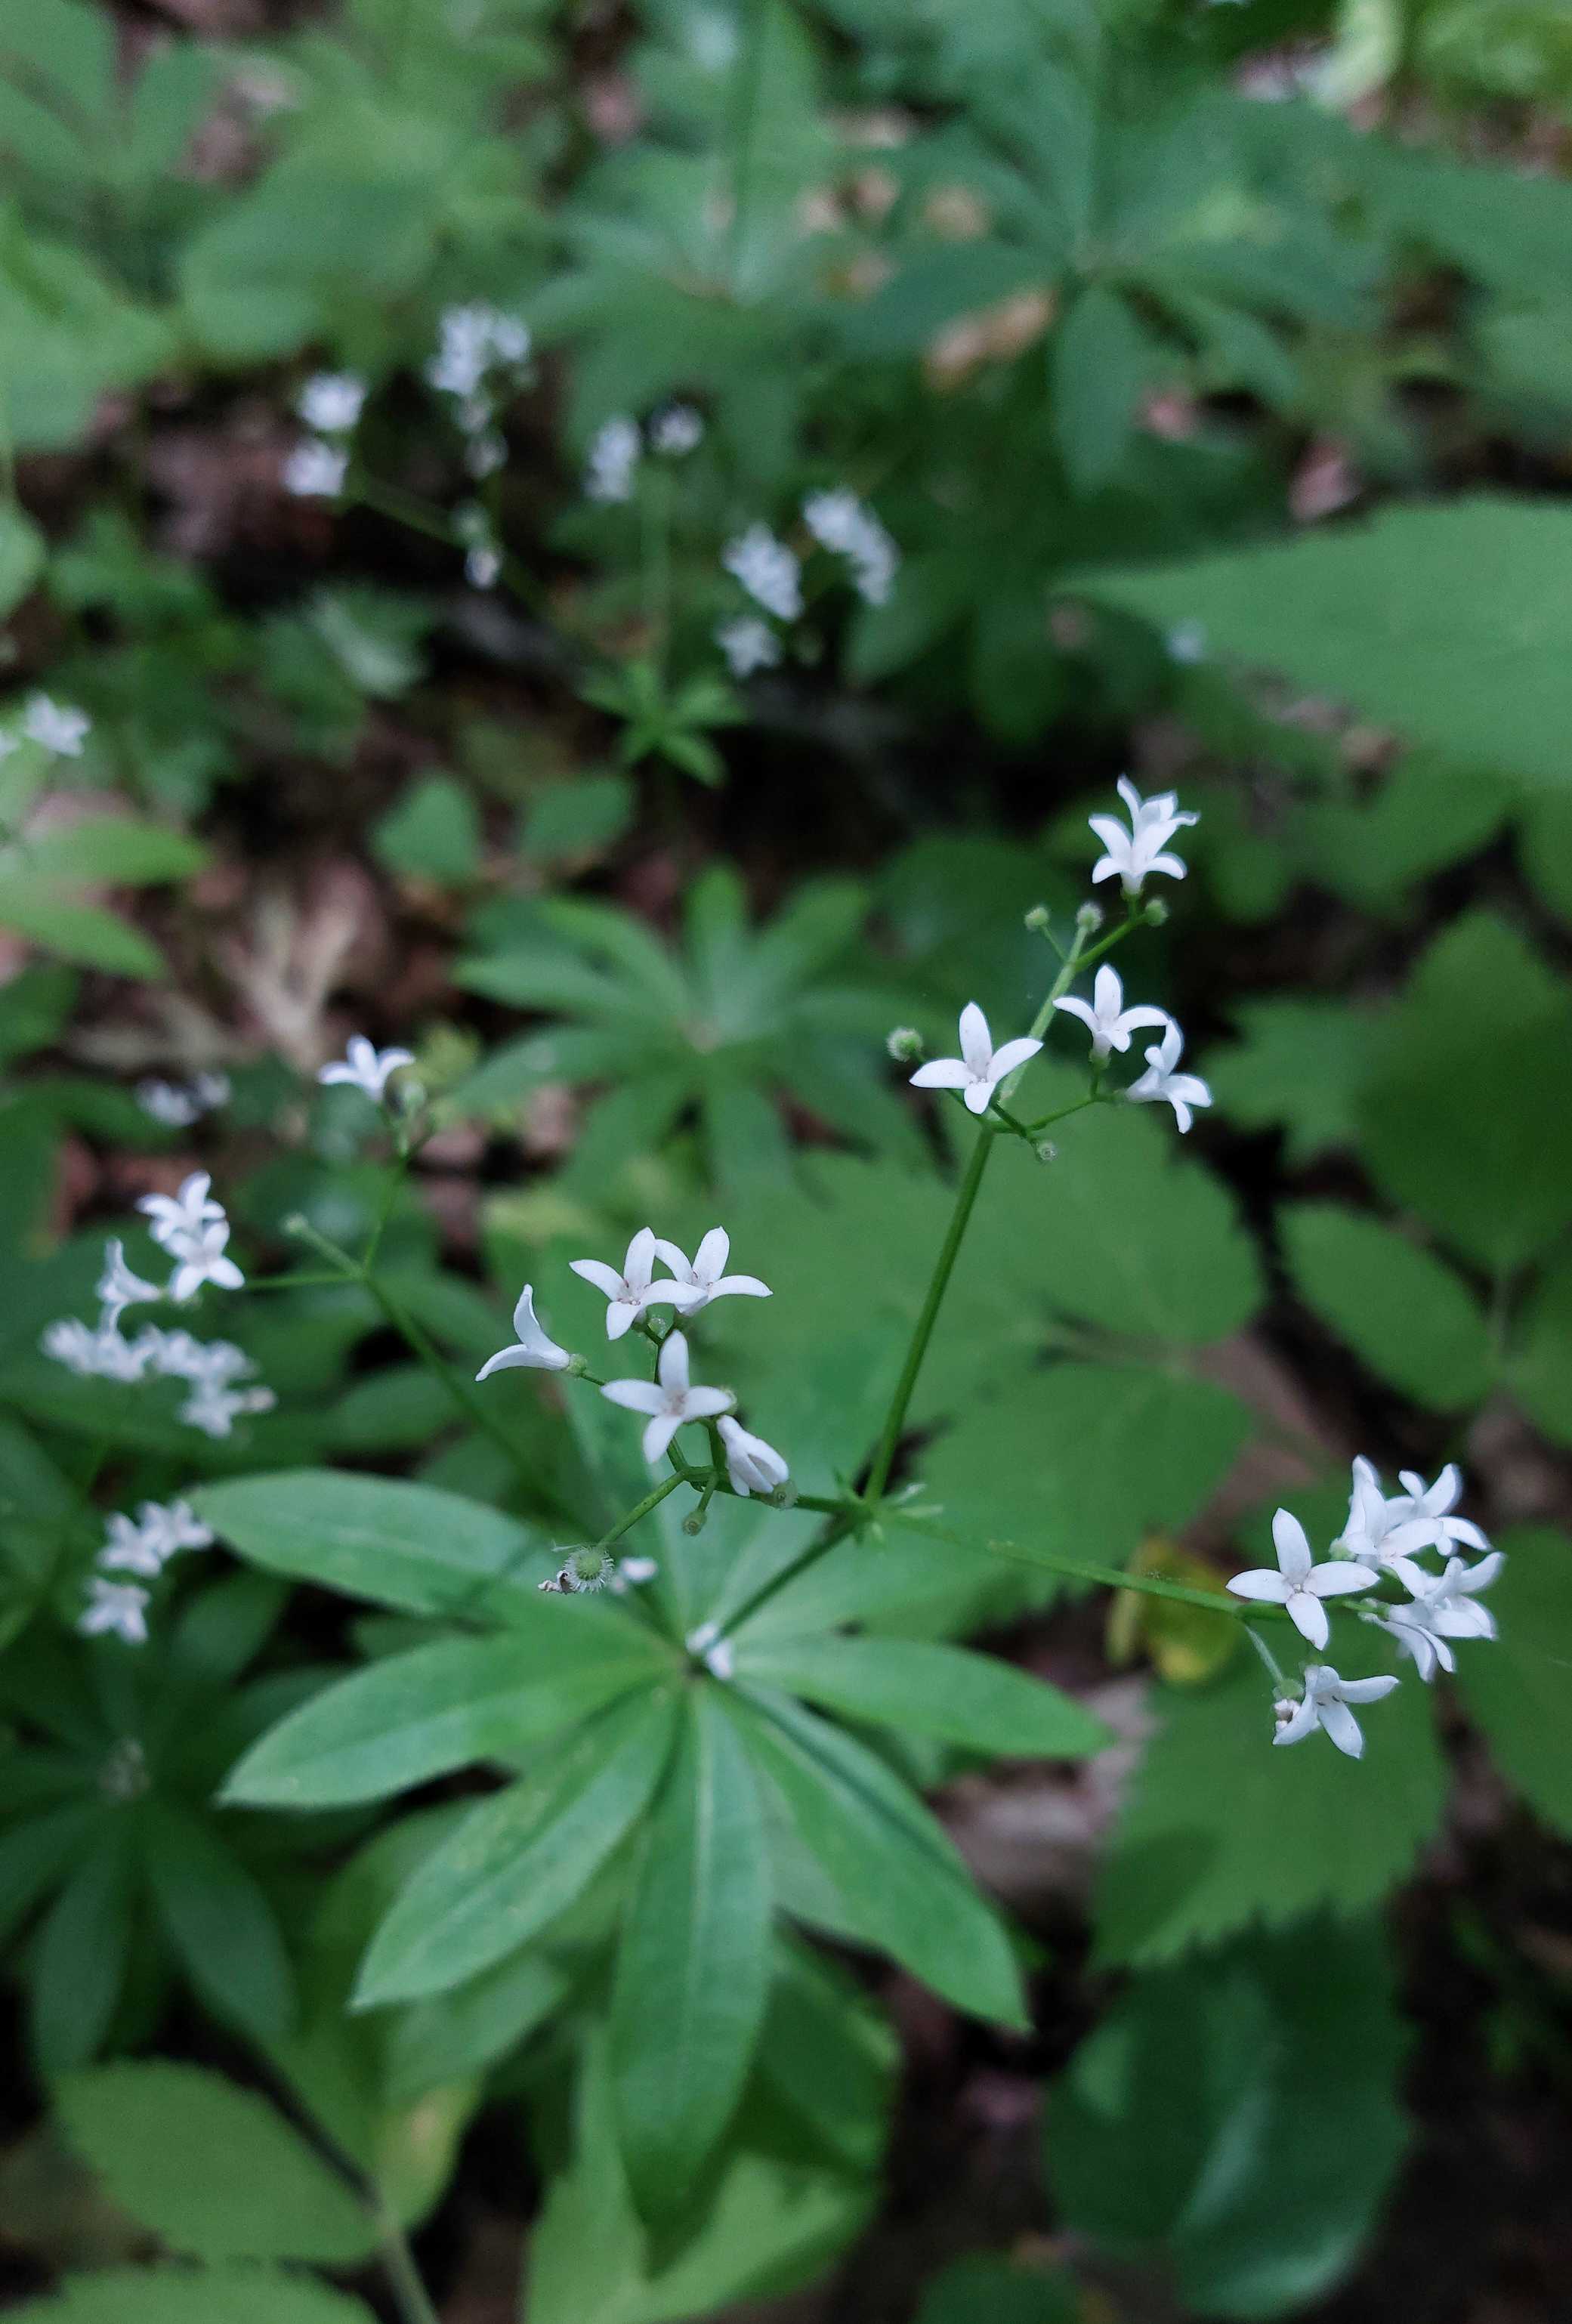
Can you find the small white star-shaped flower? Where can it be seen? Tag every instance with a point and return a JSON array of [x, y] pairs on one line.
[[120, 1607], [126, 1551], [752, 1465], [1299, 1584], [979, 1068], [768, 569], [677, 431], [331, 401], [1377, 1529], [171, 1526], [1326, 1698], [705, 1278], [1106, 1016], [175, 1217], [119, 1288], [747, 644], [613, 456], [671, 1402], [536, 1350], [202, 1259], [315, 470], [1447, 1599], [1161, 1084], [55, 726], [214, 1408], [628, 1294], [1134, 853], [1425, 1511], [366, 1067]]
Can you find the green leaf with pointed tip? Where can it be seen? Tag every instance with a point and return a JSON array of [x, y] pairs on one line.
[[80, 933], [211, 2168], [692, 1968], [932, 1690], [400, 1544], [1515, 1686], [1222, 1828], [170, 2295], [420, 1715], [521, 1859], [1401, 1309], [903, 1886], [220, 1922]]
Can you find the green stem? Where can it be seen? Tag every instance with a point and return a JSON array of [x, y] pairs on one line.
[[652, 1499], [750, 78], [1268, 1657], [1080, 1569], [411, 2296], [457, 1388]]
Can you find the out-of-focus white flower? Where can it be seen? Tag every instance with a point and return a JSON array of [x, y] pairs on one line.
[[117, 1607], [1110, 1022], [1326, 1698], [181, 1355], [752, 1465], [839, 522], [472, 340], [747, 644], [614, 453], [202, 1259], [315, 470], [705, 1278], [177, 1109], [119, 1288], [1424, 1511], [55, 726], [485, 452], [214, 1409], [768, 569], [124, 1551], [634, 1571], [1187, 642], [146, 1544], [366, 1067], [628, 1294], [1161, 1084], [1377, 1529], [172, 1217], [671, 1401], [72, 1342], [535, 1351], [675, 432], [979, 1068], [483, 568], [1299, 1584], [331, 401], [708, 1646], [1134, 853]]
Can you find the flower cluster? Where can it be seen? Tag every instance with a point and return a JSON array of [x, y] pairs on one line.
[[842, 523], [481, 357], [143, 1545], [329, 405], [1382, 1542], [192, 1229], [177, 1104], [771, 572], [366, 1067], [672, 1399], [53, 726], [618, 447]]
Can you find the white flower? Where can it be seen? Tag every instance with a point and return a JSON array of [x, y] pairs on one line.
[[706, 1277], [179, 1355], [672, 1402], [483, 568], [767, 571], [1376, 1530], [1160, 1081], [535, 1350], [1298, 1584], [1187, 642], [752, 1465], [315, 470], [177, 1109], [72, 1342], [1425, 1511], [202, 1260], [485, 452], [117, 1606], [1326, 1703], [676, 430], [472, 339], [747, 644], [1410, 1632], [146, 1544], [175, 1217], [54, 726], [1446, 1600], [214, 1409], [708, 1646], [628, 1294], [1134, 852], [119, 1288], [331, 401], [366, 1067], [1105, 1016], [979, 1068], [124, 1550], [636, 1571], [613, 455], [839, 522]]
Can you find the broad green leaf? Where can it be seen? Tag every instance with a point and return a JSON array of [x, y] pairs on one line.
[[516, 1861], [1482, 1015], [1104, 361], [1541, 1363], [420, 1715], [932, 1690], [1399, 1308], [220, 1922], [211, 2168], [459, 2033], [1471, 663], [433, 834], [1222, 1828], [692, 1968], [1298, 1062], [903, 1886], [1238, 2118], [79, 932], [988, 2284], [1516, 1685], [112, 849], [400, 1544], [172, 2295]]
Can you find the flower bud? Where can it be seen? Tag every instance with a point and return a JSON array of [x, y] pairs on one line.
[[905, 1045], [785, 1495], [576, 1367], [1037, 920], [695, 1521], [297, 1224], [1156, 912], [1089, 918], [590, 1568], [1047, 1151]]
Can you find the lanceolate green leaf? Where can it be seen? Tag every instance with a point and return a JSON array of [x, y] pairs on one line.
[[1403, 1310], [220, 1922], [211, 2168], [401, 1544], [516, 1861], [903, 1886], [692, 1970], [933, 1690], [420, 1715], [172, 2295]]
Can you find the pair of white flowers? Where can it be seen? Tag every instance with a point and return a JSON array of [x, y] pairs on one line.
[[772, 573], [980, 1069], [144, 1545], [191, 1226], [672, 1399], [330, 404], [617, 447], [177, 1104]]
